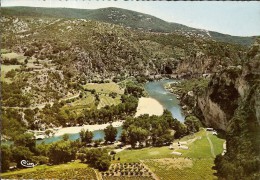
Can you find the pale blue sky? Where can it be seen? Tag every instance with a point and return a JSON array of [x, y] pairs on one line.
[[235, 18]]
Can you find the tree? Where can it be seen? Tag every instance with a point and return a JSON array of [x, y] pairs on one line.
[[124, 137], [61, 152], [137, 134], [65, 137], [21, 153], [10, 74], [98, 158], [110, 133], [42, 149], [26, 140], [26, 61], [180, 129], [103, 162], [86, 136], [166, 138], [113, 94], [5, 158], [97, 142], [192, 123], [48, 132]]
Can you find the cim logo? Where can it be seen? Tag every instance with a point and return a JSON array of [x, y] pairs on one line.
[[26, 163]]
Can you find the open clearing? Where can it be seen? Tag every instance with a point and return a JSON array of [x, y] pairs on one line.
[[5, 69], [172, 163], [194, 163], [79, 105], [105, 88], [106, 100]]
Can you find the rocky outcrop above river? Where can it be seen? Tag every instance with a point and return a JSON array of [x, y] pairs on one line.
[[227, 89]]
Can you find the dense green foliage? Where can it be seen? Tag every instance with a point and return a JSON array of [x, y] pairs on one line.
[[5, 158], [86, 136], [197, 85], [12, 126], [114, 112], [242, 160], [193, 124], [97, 158], [110, 133], [12, 95], [153, 130], [62, 152]]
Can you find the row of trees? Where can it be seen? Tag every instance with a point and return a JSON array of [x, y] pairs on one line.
[[86, 136], [24, 148], [111, 113], [11, 61]]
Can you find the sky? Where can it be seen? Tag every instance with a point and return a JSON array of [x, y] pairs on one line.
[[239, 18]]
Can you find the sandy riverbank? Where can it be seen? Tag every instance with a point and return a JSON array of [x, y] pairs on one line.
[[73, 130], [149, 106]]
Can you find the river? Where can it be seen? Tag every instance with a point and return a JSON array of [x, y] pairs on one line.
[[99, 134], [155, 90], [169, 101]]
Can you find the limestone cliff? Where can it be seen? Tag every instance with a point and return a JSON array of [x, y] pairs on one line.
[[227, 89]]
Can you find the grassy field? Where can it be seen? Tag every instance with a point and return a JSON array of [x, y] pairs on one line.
[[194, 163], [142, 154], [74, 170], [88, 101], [200, 169], [200, 148], [217, 144], [105, 88], [5, 69], [106, 100], [4, 51], [11, 55]]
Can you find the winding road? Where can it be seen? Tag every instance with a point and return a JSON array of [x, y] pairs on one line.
[[41, 106]]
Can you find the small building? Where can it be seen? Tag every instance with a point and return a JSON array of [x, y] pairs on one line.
[[214, 133], [177, 153], [184, 147], [209, 129], [39, 137]]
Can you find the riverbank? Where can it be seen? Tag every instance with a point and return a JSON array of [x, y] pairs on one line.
[[149, 106], [77, 129]]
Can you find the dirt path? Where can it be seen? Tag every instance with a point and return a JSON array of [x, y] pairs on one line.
[[98, 175], [41, 106], [72, 97], [224, 148], [211, 146]]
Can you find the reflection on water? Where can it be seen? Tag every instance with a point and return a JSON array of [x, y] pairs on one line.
[[99, 134]]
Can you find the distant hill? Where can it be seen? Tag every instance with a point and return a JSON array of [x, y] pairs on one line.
[[127, 18]]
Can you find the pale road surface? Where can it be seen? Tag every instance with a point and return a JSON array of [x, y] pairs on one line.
[[211, 146]]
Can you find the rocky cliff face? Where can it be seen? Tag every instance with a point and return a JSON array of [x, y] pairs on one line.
[[227, 88], [242, 159]]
